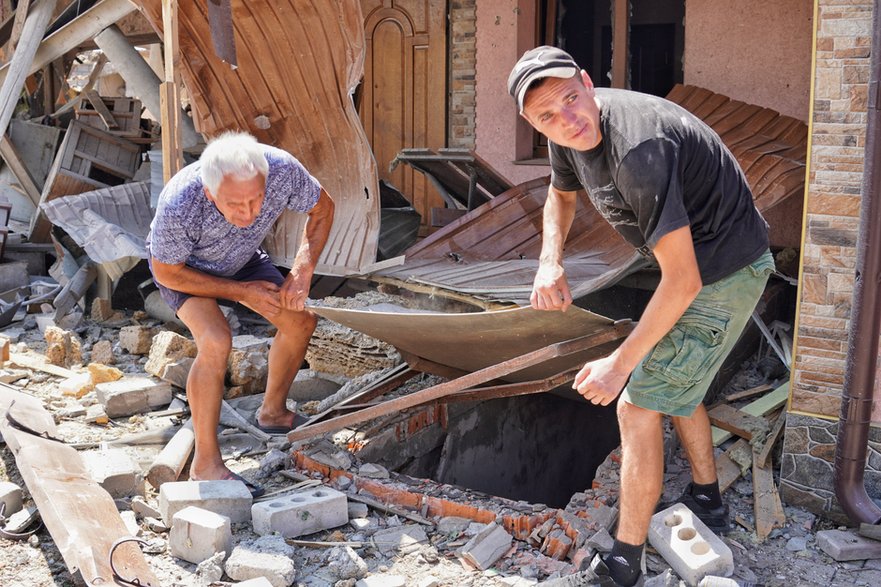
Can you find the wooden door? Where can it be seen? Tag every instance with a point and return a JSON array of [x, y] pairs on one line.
[[403, 96]]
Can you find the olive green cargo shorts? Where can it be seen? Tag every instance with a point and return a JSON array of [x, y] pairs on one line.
[[674, 377]]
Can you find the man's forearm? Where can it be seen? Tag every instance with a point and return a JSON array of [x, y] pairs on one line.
[[197, 283], [315, 236], [557, 217]]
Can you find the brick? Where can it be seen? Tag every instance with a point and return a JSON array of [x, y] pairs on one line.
[[268, 556], [10, 494], [847, 545], [63, 348], [168, 347], [76, 386], [136, 340], [102, 352], [227, 498], [102, 310], [132, 395], [487, 547], [198, 534], [115, 471], [103, 374], [301, 513], [688, 546]]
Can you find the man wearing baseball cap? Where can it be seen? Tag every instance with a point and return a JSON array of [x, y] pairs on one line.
[[666, 182]]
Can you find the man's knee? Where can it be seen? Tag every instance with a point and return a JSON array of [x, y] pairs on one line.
[[214, 342], [298, 323], [632, 418]]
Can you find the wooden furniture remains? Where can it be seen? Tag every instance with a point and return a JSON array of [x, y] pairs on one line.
[[88, 159], [118, 116]]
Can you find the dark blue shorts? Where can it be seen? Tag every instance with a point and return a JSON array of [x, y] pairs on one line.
[[258, 268]]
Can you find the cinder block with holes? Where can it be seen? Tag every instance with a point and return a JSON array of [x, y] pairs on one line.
[[301, 513], [692, 549], [197, 534]]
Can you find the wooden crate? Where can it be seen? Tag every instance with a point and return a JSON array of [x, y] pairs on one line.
[[119, 116], [88, 159]]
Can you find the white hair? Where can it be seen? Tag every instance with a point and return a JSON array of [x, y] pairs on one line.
[[236, 154]]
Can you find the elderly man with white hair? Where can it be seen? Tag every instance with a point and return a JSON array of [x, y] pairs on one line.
[[205, 244]]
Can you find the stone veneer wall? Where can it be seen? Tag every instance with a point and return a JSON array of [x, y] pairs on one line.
[[806, 468], [463, 64], [829, 259]]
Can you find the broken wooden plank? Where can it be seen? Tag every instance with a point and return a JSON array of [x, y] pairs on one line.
[[21, 13], [768, 507], [101, 108], [739, 395], [737, 422], [553, 351], [18, 68], [79, 514], [764, 454], [727, 472], [73, 34], [759, 407], [169, 93]]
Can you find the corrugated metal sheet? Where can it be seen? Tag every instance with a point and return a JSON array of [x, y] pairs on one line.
[[492, 252], [298, 64]]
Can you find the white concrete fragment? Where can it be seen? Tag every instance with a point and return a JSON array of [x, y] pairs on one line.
[[197, 535], [405, 539], [487, 547], [132, 395], [358, 510], [301, 513], [227, 498], [115, 471], [344, 563], [267, 556], [688, 546], [10, 494]]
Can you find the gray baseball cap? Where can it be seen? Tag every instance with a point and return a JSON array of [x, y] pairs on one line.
[[537, 63]]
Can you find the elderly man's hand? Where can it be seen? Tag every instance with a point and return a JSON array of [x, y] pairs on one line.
[[262, 297], [294, 290], [550, 290]]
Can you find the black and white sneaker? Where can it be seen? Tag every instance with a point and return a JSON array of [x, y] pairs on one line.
[[716, 519]]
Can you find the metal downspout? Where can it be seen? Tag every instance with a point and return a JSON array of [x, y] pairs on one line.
[[865, 320]]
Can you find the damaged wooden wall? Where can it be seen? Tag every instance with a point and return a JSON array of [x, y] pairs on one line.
[[298, 63]]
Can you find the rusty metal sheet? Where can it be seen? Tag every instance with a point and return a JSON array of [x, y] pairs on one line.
[[299, 62], [220, 19], [81, 516], [473, 341]]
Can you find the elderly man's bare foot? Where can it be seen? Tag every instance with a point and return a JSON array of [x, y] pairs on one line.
[[227, 475], [275, 423]]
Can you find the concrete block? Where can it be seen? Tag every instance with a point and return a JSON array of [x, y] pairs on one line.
[[144, 509], [177, 372], [268, 556], [115, 471], [10, 494], [132, 395], [688, 546], [197, 534], [102, 352], [248, 365], [131, 522], [301, 513], [136, 340], [76, 386], [487, 547], [405, 539], [227, 498], [168, 347], [847, 545]]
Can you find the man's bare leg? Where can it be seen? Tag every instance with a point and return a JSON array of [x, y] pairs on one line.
[[697, 440], [285, 357], [642, 470], [205, 382]]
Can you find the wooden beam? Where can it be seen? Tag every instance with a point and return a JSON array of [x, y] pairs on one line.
[[738, 422], [620, 44], [764, 454], [768, 507], [103, 111], [22, 60], [739, 395], [68, 37], [21, 12], [172, 158], [762, 406]]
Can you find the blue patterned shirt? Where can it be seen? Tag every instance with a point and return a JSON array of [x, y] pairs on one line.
[[188, 227]]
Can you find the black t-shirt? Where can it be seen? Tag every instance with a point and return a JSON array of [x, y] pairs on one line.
[[659, 168]]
